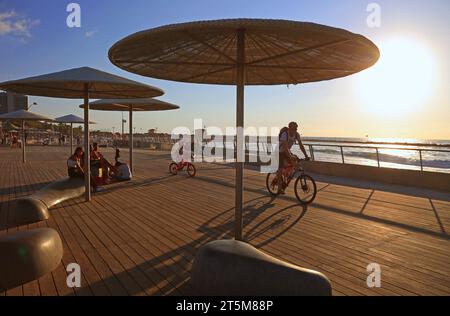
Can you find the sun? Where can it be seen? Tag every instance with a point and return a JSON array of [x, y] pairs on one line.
[[402, 80]]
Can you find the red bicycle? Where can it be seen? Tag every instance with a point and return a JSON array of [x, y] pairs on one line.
[[174, 168], [305, 187]]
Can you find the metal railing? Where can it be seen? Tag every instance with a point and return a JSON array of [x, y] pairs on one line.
[[376, 150], [264, 144]]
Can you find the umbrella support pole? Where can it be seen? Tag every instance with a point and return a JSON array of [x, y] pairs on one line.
[[131, 138], [23, 142], [239, 133], [71, 138], [87, 164]]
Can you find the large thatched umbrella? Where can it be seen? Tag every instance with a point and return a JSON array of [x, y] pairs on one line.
[[24, 116], [82, 83], [131, 105], [244, 52], [71, 119]]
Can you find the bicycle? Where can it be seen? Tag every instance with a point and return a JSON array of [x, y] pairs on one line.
[[305, 187], [174, 168]]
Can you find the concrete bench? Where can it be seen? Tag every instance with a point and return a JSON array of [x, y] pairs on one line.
[[27, 256], [34, 208], [234, 268]]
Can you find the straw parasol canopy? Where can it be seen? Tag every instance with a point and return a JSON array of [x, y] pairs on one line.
[[132, 105], [70, 84], [276, 52], [23, 116], [84, 83], [244, 52], [71, 119], [139, 105]]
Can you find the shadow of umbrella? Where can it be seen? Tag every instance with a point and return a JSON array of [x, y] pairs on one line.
[[170, 271]]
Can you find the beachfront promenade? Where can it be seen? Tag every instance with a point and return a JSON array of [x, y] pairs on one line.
[[140, 238]]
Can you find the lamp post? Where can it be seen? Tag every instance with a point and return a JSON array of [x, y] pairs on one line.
[[29, 107], [123, 125]]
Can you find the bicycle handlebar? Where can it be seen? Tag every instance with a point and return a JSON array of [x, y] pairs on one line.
[[300, 159]]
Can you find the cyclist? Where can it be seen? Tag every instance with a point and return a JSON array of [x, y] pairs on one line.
[[288, 137]]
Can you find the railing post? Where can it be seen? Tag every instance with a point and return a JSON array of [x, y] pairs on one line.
[[421, 161], [235, 148], [224, 151], [257, 148], [311, 152], [378, 157], [342, 154]]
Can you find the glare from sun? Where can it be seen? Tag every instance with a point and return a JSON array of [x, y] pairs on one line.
[[401, 82]]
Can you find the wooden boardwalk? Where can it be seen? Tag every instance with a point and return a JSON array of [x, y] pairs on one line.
[[140, 238]]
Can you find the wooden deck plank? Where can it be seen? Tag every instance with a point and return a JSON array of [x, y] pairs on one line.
[[67, 259], [137, 280], [140, 238], [89, 272]]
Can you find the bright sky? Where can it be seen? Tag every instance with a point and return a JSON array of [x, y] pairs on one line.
[[406, 95]]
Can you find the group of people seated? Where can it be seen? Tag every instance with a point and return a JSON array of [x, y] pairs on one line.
[[102, 171]]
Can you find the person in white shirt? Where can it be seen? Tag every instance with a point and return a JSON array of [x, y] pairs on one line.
[[74, 164]]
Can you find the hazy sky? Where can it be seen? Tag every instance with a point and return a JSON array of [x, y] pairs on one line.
[[34, 39]]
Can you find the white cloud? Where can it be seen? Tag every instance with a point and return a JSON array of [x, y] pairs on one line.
[[90, 33], [12, 23]]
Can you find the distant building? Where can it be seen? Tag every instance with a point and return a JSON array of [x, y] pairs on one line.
[[11, 102]]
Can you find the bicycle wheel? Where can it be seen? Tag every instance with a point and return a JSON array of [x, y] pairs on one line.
[[272, 183], [191, 170], [305, 189], [173, 168]]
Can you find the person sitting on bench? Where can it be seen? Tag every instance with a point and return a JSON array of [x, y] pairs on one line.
[[74, 164], [122, 171], [75, 167], [99, 162]]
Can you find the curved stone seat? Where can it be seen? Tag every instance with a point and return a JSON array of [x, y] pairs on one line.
[[34, 208], [27, 256], [234, 268]]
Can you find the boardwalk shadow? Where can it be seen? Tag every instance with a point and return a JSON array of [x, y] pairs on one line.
[[385, 187], [22, 190], [138, 183], [281, 220], [360, 214], [397, 224], [6, 213], [171, 270]]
